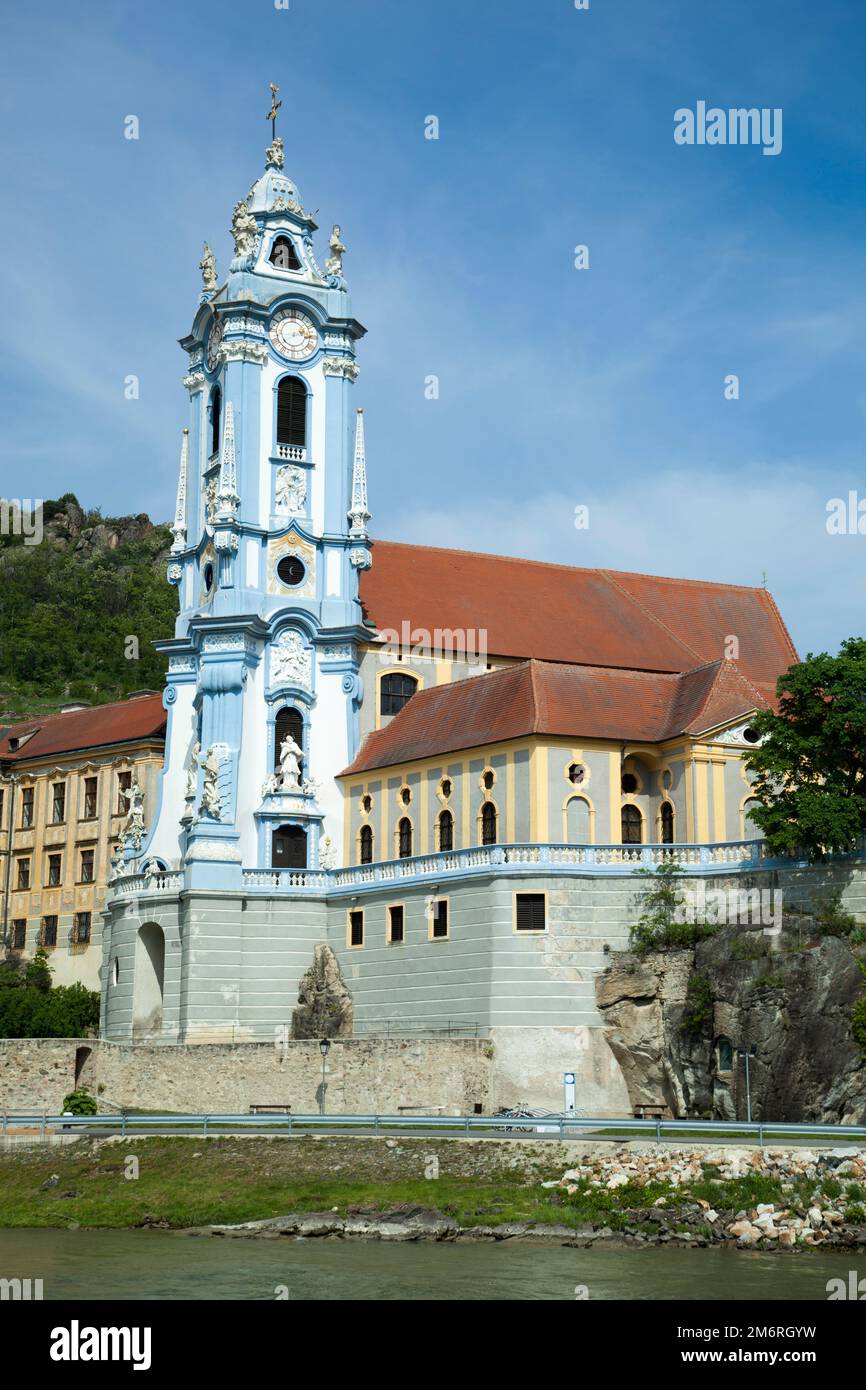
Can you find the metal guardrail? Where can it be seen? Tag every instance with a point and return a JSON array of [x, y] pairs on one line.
[[565, 1125]]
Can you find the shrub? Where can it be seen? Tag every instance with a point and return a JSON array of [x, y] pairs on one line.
[[700, 1002], [660, 926], [79, 1102]]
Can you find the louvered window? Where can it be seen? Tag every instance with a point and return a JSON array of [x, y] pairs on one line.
[[530, 912], [292, 412]]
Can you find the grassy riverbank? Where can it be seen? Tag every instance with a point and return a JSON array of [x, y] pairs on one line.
[[184, 1182]]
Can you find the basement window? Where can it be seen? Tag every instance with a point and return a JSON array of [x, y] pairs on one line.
[[530, 912]]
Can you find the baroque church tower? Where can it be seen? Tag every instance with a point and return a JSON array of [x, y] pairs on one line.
[[270, 536]]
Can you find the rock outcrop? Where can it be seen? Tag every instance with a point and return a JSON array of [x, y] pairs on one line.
[[324, 1003], [790, 995]]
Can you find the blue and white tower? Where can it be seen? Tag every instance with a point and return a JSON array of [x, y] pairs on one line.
[[270, 535]]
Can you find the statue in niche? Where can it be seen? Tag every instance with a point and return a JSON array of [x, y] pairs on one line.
[[133, 830], [290, 765], [334, 263], [207, 266], [291, 490], [290, 661], [211, 804]]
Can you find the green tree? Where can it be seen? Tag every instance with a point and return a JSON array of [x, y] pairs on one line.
[[811, 766]]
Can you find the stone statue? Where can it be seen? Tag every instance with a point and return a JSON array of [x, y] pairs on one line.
[[275, 154], [192, 771], [290, 765], [270, 785], [117, 863], [291, 490], [334, 263], [244, 231], [207, 266], [290, 661], [327, 855], [211, 804], [133, 830], [210, 502]]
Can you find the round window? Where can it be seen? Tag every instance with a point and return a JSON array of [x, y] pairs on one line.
[[751, 736], [405, 796], [291, 571], [488, 780], [367, 803], [576, 773], [446, 786], [629, 782], [208, 577]]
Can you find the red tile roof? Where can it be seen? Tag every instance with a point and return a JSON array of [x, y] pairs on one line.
[[588, 617], [557, 700], [143, 717]]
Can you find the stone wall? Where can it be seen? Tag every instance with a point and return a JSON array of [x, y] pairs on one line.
[[361, 1076]]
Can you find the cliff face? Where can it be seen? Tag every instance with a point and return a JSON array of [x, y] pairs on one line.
[[792, 996]]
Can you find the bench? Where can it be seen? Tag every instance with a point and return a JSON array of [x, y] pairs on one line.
[[652, 1112], [270, 1110]]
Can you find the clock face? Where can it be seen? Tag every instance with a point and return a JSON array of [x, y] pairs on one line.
[[293, 334], [214, 343]]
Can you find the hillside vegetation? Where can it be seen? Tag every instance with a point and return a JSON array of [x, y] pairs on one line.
[[70, 605]]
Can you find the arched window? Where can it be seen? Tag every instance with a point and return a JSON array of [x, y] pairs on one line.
[[288, 721], [366, 844], [667, 823], [292, 412], [395, 691], [216, 400], [283, 254], [446, 830], [404, 838], [289, 849], [632, 826], [488, 823]]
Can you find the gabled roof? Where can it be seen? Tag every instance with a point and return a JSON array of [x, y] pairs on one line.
[[124, 722], [588, 617], [559, 701]]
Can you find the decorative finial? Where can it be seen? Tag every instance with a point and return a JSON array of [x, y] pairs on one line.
[[272, 114], [207, 266], [359, 514], [179, 527], [227, 499]]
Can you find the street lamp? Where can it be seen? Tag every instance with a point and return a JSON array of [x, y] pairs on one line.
[[324, 1048], [746, 1051]]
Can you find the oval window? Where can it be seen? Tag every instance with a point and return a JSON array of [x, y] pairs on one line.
[[208, 577], [291, 571]]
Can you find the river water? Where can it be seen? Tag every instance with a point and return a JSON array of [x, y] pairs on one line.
[[162, 1265]]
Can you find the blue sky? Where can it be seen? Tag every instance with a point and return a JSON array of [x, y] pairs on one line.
[[558, 387]]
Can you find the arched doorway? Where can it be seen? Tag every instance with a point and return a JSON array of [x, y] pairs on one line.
[[289, 849], [149, 981]]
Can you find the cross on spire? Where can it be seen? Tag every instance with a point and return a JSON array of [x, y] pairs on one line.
[[272, 114]]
